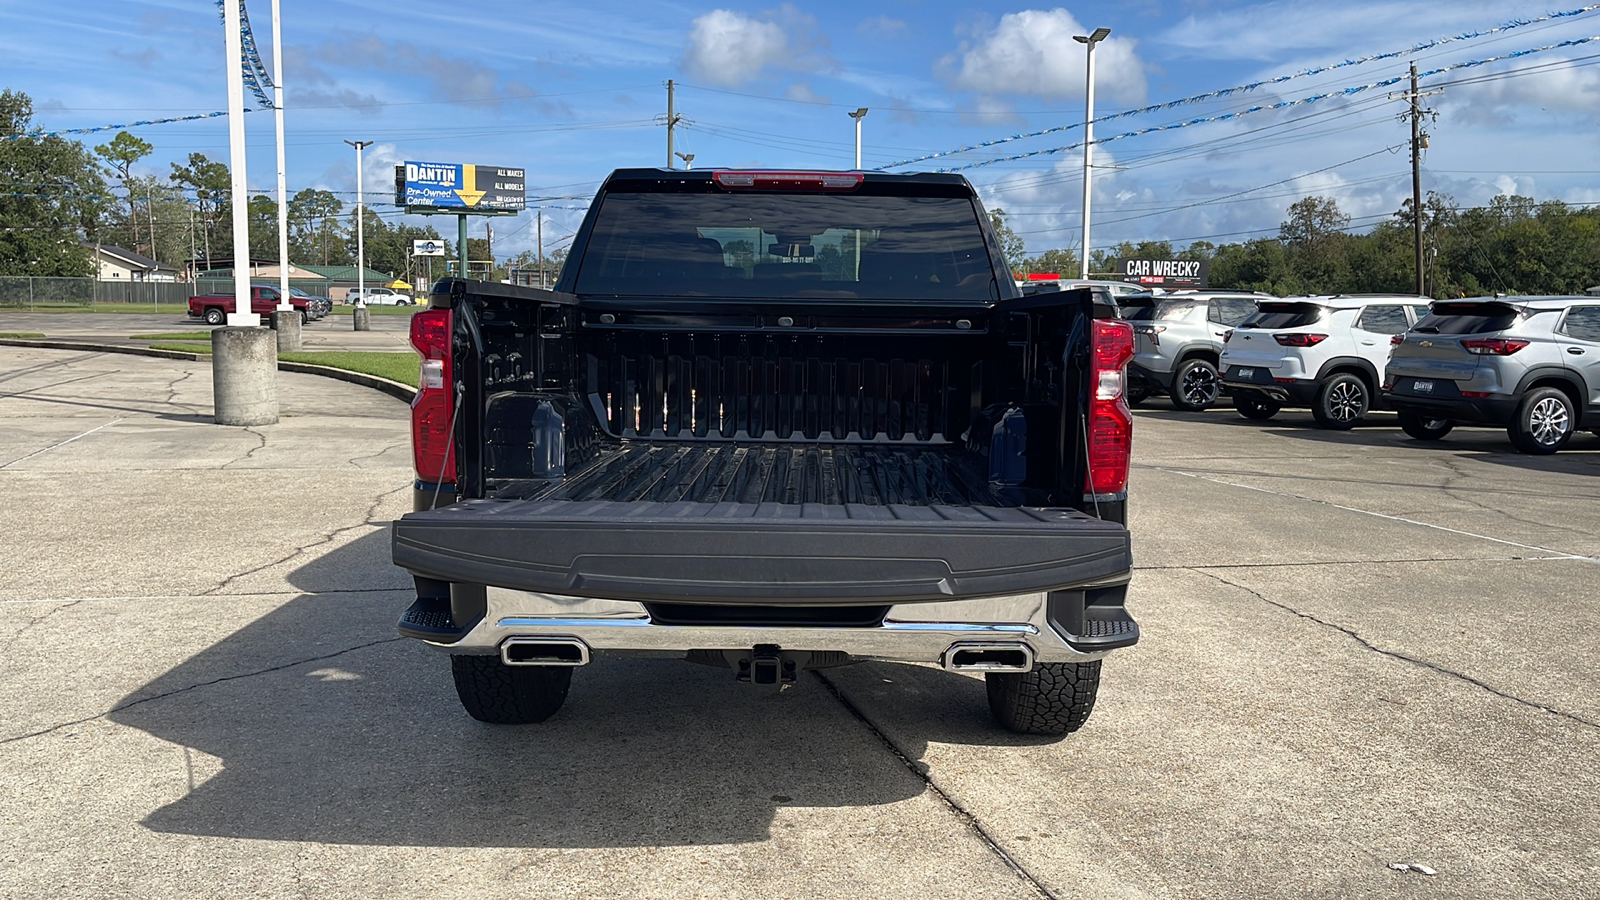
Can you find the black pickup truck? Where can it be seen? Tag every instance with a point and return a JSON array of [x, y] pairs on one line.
[[772, 421]]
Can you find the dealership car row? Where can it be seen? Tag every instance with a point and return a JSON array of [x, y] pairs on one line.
[[1528, 364]]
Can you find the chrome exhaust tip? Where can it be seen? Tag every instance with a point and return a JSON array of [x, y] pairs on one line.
[[540, 651], [988, 657]]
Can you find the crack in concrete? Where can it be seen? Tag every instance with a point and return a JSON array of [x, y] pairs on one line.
[[356, 461], [172, 391], [1403, 657], [183, 690], [327, 537], [1199, 472], [923, 773], [36, 621], [46, 387], [249, 429]]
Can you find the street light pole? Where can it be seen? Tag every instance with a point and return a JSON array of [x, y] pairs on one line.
[[858, 115], [1098, 35], [361, 242], [688, 159]]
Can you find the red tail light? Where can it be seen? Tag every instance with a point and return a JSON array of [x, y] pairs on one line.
[[1493, 346], [432, 445], [1299, 340], [1110, 421], [1397, 340]]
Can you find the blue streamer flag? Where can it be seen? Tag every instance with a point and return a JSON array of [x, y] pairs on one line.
[[256, 78], [1245, 88], [1286, 104]]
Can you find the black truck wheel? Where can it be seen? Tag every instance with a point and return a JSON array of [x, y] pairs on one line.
[[214, 315], [1054, 698], [499, 694], [1254, 406], [1342, 401], [1424, 428]]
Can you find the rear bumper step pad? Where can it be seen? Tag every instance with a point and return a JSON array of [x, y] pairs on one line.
[[812, 554]]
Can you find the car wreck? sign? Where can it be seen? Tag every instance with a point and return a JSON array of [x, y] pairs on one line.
[[1164, 273]]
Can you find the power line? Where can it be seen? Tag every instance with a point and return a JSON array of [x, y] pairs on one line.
[[1246, 88]]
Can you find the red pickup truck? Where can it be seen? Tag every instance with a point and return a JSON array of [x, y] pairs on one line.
[[214, 308]]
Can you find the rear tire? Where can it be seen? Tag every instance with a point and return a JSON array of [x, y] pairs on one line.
[[494, 692], [1423, 428], [1196, 386], [1137, 393], [1543, 423], [1342, 401], [1254, 406], [214, 316], [1054, 698]]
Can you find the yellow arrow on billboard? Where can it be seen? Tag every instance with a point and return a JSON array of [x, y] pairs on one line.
[[469, 193]]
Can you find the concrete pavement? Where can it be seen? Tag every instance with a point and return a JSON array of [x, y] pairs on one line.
[[1358, 651]]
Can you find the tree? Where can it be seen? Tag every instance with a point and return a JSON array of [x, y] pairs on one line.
[[1312, 219], [1064, 262], [1315, 239], [120, 154], [262, 217], [57, 195], [1012, 247], [212, 187], [314, 229]]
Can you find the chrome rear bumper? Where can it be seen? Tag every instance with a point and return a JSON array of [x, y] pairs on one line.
[[910, 632]]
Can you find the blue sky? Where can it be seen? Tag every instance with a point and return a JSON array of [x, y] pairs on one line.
[[570, 91]]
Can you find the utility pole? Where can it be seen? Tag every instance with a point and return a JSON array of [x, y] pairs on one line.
[[1419, 143], [539, 214], [488, 228], [1416, 176], [672, 121], [150, 214]]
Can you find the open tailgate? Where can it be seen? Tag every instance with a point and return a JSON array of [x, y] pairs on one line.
[[760, 553]]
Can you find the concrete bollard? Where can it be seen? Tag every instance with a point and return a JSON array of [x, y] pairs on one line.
[[362, 317], [286, 322], [244, 376]]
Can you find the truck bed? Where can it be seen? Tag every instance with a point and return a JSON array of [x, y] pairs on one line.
[[830, 474]]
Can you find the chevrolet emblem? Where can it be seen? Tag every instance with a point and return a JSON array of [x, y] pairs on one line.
[[1426, 344]]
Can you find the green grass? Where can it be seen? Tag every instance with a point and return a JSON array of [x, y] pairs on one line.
[[20, 334], [379, 310], [401, 367], [173, 336]]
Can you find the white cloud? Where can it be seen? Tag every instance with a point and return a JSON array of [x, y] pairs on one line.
[[1032, 53], [731, 48]]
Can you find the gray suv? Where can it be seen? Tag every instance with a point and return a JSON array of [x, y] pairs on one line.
[[1178, 341], [1530, 364]]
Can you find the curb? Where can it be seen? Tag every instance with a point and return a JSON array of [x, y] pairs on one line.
[[393, 388]]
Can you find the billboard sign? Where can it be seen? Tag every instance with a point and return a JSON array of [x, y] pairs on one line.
[[1164, 273], [460, 187], [427, 248]]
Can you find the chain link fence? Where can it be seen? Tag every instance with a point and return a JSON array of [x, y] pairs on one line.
[[36, 294]]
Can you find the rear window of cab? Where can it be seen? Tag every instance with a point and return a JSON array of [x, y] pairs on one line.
[[1285, 315], [1468, 318]]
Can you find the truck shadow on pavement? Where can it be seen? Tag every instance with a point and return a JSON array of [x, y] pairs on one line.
[[330, 729]]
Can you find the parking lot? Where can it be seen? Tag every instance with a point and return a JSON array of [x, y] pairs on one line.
[[1358, 651]]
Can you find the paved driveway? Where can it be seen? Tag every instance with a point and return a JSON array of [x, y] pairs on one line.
[[1359, 651]]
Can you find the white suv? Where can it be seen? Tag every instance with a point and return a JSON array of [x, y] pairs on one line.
[[1327, 353], [380, 296]]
